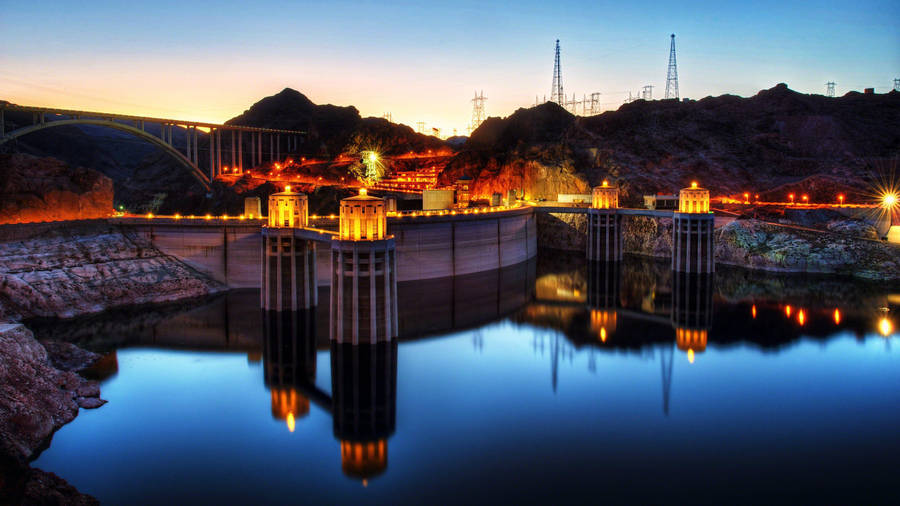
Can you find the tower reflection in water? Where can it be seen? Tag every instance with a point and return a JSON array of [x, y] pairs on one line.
[[363, 403], [289, 359], [604, 297], [364, 388], [692, 311]]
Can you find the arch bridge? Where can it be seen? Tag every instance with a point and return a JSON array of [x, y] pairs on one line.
[[179, 138]]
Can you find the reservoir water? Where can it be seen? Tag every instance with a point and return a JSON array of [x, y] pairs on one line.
[[550, 382]]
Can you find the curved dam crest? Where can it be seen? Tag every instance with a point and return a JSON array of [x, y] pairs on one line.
[[428, 247]]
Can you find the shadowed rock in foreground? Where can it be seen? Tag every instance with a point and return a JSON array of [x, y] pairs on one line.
[[36, 399]]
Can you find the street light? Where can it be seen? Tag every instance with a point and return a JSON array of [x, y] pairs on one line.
[[841, 199], [791, 196], [805, 199], [889, 200]]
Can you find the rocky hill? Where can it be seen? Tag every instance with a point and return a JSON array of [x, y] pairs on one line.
[[332, 130], [731, 144]]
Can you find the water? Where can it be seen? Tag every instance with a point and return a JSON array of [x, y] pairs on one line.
[[551, 383]]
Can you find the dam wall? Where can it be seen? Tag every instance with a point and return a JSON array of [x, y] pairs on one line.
[[428, 247]]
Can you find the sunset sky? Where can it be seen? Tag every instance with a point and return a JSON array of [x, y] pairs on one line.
[[419, 61]]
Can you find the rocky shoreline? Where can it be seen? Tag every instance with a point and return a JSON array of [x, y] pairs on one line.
[[66, 270], [40, 391]]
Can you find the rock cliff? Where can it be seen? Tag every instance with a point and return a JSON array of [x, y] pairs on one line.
[[46, 189], [39, 393], [71, 269], [758, 245]]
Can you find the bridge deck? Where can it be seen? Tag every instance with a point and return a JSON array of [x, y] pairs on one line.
[[127, 117]]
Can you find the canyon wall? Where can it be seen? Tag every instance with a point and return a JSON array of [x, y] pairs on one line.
[[36, 189], [76, 268]]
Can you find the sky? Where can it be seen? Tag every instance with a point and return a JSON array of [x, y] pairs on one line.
[[423, 61]]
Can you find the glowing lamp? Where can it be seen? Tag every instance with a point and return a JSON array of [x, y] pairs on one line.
[[889, 200], [837, 317], [693, 184], [841, 199], [287, 188], [885, 327]]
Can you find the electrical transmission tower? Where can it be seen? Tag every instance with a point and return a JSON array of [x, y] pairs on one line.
[[572, 105], [647, 92], [420, 127], [672, 76], [595, 103], [477, 111], [896, 84], [829, 89], [387, 116], [556, 94]]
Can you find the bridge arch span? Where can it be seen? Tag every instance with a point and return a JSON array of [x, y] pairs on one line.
[[177, 155]]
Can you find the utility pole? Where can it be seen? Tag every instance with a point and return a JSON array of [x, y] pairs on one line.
[[672, 76], [556, 94]]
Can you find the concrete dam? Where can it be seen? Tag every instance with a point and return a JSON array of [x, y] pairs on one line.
[[427, 247]]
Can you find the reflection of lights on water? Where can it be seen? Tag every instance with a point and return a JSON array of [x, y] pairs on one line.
[[885, 327], [291, 423], [801, 317], [753, 311], [603, 334], [690, 355], [787, 311], [837, 316]]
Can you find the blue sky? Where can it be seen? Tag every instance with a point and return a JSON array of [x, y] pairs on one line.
[[422, 61]]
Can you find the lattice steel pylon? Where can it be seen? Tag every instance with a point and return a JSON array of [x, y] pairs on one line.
[[478, 115], [829, 89], [896, 84], [595, 103], [647, 92], [672, 76], [556, 94]]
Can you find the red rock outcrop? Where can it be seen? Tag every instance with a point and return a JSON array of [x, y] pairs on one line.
[[46, 189]]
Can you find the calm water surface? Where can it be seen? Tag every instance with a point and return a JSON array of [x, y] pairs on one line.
[[555, 382]]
